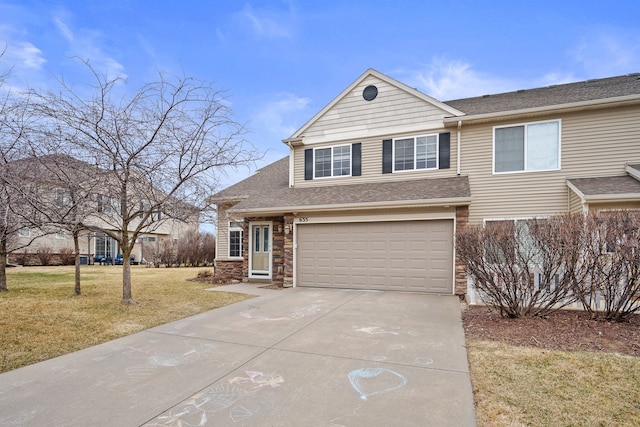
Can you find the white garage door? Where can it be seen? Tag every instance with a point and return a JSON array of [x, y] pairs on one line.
[[397, 255]]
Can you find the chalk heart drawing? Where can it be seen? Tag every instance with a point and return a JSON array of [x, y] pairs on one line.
[[371, 381]]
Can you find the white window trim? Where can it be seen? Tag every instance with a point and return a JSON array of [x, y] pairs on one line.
[[24, 232], [415, 138], [231, 227], [332, 171], [525, 124]]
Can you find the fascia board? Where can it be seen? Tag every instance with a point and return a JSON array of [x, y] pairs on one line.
[[456, 201], [575, 190], [635, 173]]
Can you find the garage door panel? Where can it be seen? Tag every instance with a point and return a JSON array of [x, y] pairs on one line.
[[401, 255]]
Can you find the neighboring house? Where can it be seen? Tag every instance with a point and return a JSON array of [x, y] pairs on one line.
[[99, 209], [379, 181]]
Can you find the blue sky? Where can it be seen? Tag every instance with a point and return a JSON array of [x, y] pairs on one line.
[[280, 62]]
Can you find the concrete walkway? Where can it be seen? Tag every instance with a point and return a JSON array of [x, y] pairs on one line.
[[293, 357]]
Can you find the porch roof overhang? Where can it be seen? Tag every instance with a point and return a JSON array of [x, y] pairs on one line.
[[433, 192], [617, 189]]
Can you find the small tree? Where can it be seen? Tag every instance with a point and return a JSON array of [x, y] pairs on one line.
[[157, 151]]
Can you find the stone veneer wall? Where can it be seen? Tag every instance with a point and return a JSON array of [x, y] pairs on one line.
[[462, 222], [288, 251], [228, 270]]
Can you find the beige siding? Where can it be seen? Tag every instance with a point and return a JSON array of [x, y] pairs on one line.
[[593, 143], [575, 202], [222, 228], [353, 117], [372, 164]]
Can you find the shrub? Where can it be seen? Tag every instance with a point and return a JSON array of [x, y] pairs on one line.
[[534, 267], [67, 257], [612, 288], [44, 254], [514, 272]]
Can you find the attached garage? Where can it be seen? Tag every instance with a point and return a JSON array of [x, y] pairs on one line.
[[414, 256]]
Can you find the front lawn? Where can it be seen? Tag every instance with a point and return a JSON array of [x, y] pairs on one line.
[[41, 318]]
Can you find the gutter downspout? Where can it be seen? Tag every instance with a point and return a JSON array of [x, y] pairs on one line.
[[458, 151]]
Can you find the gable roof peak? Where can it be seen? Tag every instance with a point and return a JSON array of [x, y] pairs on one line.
[[370, 72]]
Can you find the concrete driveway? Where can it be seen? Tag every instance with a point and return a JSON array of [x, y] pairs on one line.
[[294, 357]]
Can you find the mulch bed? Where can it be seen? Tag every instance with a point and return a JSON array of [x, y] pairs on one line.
[[564, 330]]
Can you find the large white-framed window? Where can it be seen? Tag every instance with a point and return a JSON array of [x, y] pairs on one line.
[[420, 152], [527, 147], [332, 161], [236, 232]]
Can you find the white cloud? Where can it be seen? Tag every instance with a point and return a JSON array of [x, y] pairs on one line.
[[64, 29], [608, 52], [87, 46], [446, 79], [279, 116], [25, 55], [262, 24]]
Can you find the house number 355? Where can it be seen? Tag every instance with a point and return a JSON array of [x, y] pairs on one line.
[[303, 219]]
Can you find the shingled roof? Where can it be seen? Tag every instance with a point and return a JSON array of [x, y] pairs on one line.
[[589, 90], [268, 191], [605, 188]]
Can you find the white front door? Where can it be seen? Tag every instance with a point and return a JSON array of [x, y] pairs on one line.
[[260, 250]]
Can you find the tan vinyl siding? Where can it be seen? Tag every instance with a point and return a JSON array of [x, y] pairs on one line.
[[372, 164], [222, 239], [575, 203], [353, 117], [593, 143]]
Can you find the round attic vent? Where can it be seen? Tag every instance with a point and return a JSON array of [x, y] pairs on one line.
[[370, 92]]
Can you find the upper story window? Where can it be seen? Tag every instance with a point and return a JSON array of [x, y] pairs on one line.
[[332, 161], [415, 153], [527, 147], [63, 198], [340, 160]]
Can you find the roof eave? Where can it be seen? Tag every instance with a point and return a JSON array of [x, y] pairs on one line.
[[619, 198], [422, 203], [535, 111]]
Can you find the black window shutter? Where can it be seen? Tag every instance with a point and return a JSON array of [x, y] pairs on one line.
[[308, 163], [387, 156], [444, 150], [356, 159]]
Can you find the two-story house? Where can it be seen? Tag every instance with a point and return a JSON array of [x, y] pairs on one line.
[[378, 182], [94, 210]]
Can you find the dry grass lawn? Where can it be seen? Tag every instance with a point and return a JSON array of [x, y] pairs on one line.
[[41, 318], [527, 386]]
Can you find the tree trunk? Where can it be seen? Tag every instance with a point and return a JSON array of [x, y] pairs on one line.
[[127, 298], [76, 247], [3, 265]]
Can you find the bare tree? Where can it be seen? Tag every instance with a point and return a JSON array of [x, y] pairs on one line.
[[157, 152], [16, 192], [66, 200]]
